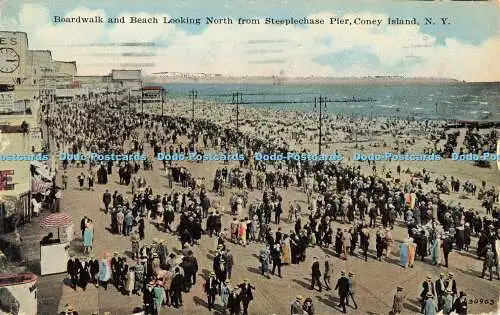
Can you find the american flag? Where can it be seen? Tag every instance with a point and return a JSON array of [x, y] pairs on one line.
[[38, 186]]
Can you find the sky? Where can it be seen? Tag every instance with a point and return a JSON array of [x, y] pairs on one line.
[[466, 49]]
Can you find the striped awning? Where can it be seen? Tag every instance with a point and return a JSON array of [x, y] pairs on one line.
[[39, 186], [56, 220]]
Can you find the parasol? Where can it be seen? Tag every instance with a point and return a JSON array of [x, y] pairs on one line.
[[57, 220]]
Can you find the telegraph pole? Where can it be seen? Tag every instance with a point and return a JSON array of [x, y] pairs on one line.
[[237, 100], [142, 104], [162, 99], [129, 109], [193, 94], [107, 94], [322, 101]]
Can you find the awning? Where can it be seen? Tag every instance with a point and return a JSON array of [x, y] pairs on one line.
[[42, 170], [57, 220]]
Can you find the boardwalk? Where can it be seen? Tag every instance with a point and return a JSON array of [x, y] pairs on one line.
[[376, 281]]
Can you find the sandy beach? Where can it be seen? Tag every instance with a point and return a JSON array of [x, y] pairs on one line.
[[347, 136]]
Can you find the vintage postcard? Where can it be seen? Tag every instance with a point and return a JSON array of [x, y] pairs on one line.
[[249, 157]]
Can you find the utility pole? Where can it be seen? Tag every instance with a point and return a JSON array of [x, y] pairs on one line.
[[237, 100], [193, 94], [107, 94], [142, 104], [162, 100], [322, 101], [129, 100]]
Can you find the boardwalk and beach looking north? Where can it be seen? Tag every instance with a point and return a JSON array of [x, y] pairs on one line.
[[133, 181]]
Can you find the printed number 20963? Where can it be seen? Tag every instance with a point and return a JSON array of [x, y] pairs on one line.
[[482, 301]]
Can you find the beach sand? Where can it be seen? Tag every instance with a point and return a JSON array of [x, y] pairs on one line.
[[346, 136]]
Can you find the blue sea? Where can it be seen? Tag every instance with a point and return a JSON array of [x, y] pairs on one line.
[[460, 101]]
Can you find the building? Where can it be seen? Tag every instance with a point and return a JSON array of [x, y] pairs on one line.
[[20, 76], [127, 79], [15, 73]]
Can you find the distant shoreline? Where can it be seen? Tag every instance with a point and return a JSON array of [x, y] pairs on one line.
[[298, 81]]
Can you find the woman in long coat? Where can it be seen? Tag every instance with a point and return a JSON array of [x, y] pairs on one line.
[[158, 296], [225, 291], [243, 232], [403, 253], [397, 303], [412, 249], [129, 281], [436, 250], [388, 242], [88, 236], [285, 250], [104, 272]]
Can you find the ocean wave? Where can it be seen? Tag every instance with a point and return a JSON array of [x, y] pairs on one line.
[[418, 108], [483, 103]]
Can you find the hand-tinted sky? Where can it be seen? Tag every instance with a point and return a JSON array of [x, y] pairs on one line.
[[464, 49]]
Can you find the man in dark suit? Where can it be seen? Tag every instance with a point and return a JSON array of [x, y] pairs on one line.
[[276, 257], [440, 286], [427, 287], [343, 290], [72, 270], [315, 274], [83, 224], [447, 248], [246, 294], [452, 285], [211, 290], [106, 199], [278, 236]]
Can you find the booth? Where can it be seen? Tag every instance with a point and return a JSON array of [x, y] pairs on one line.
[[54, 253], [18, 294], [53, 258]]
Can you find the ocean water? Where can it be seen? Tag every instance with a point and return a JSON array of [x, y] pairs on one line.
[[461, 101]]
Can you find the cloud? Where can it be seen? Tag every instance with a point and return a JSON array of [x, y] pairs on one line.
[[319, 50]]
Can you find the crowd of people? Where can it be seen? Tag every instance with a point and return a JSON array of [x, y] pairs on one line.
[[346, 210]]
